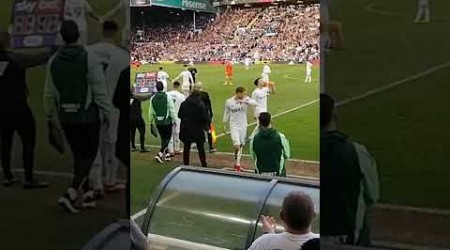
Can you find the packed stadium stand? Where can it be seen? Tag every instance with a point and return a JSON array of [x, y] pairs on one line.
[[283, 32]]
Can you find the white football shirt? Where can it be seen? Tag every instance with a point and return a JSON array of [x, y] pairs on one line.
[[187, 79], [308, 67], [266, 69], [177, 98], [75, 10], [260, 96], [162, 76], [236, 112], [285, 241], [114, 60]]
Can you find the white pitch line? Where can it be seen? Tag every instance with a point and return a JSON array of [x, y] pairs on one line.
[[392, 85], [139, 214]]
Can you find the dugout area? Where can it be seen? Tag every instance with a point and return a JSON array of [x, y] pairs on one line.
[[195, 208]]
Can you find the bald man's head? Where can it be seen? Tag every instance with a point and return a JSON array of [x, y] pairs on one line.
[[298, 211]]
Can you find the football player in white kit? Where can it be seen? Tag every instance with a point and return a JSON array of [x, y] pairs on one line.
[[187, 81], [265, 75], [114, 60], [163, 77], [260, 95], [247, 63], [423, 12], [178, 98], [125, 6], [236, 114], [76, 10], [309, 66]]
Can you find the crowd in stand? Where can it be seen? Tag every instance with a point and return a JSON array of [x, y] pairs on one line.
[[278, 33]]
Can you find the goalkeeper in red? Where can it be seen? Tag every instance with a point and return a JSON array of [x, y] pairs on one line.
[[269, 149]]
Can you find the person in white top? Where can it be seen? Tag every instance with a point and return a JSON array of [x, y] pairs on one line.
[[125, 6], [423, 12], [247, 61], [260, 95], [265, 75], [114, 60], [178, 98], [76, 10], [187, 81], [297, 225], [309, 66], [163, 77], [235, 114]]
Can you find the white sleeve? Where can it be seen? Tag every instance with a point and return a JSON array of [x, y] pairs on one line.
[[226, 113], [252, 102]]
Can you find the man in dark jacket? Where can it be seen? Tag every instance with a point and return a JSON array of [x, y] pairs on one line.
[[207, 101], [345, 167], [269, 148], [194, 123], [15, 113], [137, 122]]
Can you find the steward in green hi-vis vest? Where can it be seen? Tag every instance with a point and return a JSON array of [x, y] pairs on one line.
[[161, 111], [75, 88], [270, 150]]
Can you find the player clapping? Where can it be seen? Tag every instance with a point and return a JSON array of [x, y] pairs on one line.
[[265, 75], [236, 115]]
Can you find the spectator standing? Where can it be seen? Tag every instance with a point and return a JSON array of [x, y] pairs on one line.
[[269, 148], [75, 92], [195, 122], [162, 114]]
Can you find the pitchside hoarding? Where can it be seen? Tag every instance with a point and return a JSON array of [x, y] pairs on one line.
[[35, 23], [140, 3]]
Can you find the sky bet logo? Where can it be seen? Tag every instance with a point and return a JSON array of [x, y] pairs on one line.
[[25, 6]]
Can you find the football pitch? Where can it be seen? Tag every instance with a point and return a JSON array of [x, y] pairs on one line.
[[295, 106], [391, 83], [33, 218]]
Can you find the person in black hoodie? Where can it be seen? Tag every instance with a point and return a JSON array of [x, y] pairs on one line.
[[207, 101], [15, 113], [195, 123], [137, 122]]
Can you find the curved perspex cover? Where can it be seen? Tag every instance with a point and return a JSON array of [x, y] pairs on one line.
[[198, 209]]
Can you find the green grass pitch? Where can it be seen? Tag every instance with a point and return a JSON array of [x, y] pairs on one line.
[[300, 126], [404, 127]]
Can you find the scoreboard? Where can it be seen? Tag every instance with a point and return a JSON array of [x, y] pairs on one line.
[[145, 83], [35, 23]]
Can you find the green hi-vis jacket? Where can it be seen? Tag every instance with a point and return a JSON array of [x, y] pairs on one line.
[[75, 88], [161, 110], [270, 150]]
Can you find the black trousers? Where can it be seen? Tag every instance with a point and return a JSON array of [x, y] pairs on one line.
[[83, 140], [140, 126], [25, 126], [201, 153], [211, 146], [165, 132]]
